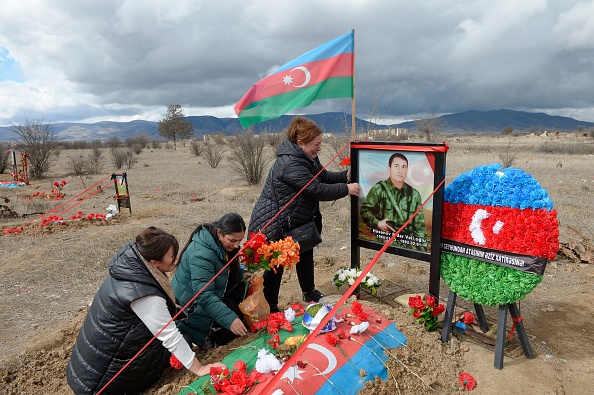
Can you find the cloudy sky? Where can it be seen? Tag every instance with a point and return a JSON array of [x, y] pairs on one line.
[[119, 60]]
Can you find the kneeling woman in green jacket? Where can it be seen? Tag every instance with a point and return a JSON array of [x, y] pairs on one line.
[[215, 313]]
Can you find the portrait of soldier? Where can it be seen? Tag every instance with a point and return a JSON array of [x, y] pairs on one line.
[[390, 203]]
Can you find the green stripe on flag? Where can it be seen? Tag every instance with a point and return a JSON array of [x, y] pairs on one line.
[[275, 106]]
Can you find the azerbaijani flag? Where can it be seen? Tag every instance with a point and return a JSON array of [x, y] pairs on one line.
[[325, 72]]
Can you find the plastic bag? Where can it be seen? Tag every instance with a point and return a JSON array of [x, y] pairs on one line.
[[255, 307]]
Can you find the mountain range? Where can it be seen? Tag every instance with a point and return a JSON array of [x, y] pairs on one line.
[[335, 122]]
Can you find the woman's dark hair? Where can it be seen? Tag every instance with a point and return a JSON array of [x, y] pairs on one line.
[[303, 129], [227, 224], [153, 243]]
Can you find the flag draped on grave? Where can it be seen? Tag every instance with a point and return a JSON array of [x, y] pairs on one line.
[[325, 72], [364, 359]]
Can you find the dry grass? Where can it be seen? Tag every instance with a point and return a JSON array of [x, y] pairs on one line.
[[48, 276]]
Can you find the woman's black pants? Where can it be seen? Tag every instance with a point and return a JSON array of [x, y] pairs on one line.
[[305, 275]]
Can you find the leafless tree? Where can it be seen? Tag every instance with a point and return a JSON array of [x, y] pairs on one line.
[[508, 157], [114, 142], [213, 153], [77, 164], [40, 141], [429, 126], [118, 156], [196, 147], [130, 157], [140, 139], [248, 158], [374, 116]]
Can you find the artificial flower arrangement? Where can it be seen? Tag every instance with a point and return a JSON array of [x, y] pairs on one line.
[[60, 220], [500, 210], [234, 381], [258, 253], [426, 310], [277, 321], [348, 276], [55, 194]]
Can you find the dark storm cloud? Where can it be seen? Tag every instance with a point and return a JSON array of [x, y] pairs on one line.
[[126, 59]]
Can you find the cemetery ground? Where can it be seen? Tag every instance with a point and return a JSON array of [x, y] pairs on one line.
[[48, 276]]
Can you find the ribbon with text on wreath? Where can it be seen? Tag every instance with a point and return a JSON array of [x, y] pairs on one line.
[[499, 231]]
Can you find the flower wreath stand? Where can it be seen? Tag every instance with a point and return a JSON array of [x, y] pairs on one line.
[[501, 327], [499, 231]]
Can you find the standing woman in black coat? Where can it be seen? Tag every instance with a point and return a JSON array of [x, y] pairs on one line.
[[134, 303], [296, 164]]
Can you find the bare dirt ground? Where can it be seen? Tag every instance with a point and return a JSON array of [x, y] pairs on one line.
[[48, 277]]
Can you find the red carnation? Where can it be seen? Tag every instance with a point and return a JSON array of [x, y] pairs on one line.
[[240, 365], [275, 341], [467, 381], [468, 318], [240, 378], [356, 307], [298, 308], [175, 363], [331, 339], [216, 370]]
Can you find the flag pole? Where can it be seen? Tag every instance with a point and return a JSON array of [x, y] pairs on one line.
[[353, 133]]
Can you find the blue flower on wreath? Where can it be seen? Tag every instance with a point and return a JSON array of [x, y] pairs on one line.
[[492, 185]]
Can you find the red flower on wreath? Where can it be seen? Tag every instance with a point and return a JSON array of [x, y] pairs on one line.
[[467, 381]]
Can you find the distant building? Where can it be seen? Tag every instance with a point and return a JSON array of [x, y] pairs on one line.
[[394, 134]]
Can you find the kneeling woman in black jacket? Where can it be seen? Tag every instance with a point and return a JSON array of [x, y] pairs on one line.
[[132, 305]]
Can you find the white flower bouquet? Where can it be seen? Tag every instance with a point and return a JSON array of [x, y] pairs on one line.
[[348, 276]]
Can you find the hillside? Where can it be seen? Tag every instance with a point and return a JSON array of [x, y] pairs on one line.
[[464, 122]]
